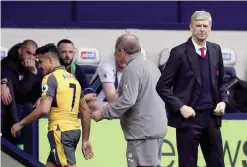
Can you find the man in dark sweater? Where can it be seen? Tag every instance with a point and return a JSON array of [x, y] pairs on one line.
[[194, 87]]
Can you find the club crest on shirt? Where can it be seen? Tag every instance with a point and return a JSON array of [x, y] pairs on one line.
[[125, 86], [105, 75], [44, 88]]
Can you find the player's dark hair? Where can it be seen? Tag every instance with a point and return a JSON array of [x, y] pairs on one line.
[[64, 41], [47, 48]]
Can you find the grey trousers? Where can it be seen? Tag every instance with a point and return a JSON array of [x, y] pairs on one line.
[[144, 152]]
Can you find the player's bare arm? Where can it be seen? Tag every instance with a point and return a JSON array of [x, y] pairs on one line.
[[86, 124], [85, 119], [39, 112]]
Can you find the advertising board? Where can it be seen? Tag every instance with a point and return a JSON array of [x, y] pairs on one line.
[[109, 145]]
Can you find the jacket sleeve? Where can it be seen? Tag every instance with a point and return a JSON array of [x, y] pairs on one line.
[[168, 79], [82, 78], [5, 73], [129, 86], [27, 84], [223, 85]]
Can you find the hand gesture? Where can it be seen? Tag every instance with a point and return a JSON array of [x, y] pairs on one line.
[[97, 115], [5, 95], [90, 97], [187, 112], [30, 65], [15, 128], [220, 108], [87, 150]]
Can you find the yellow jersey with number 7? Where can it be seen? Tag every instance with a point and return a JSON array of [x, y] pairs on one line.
[[66, 93]]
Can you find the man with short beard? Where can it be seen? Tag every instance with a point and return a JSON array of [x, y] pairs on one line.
[[67, 53]]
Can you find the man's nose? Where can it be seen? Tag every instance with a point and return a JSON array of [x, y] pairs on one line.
[[33, 57], [202, 28]]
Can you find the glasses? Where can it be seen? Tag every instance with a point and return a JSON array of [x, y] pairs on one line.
[[116, 53]]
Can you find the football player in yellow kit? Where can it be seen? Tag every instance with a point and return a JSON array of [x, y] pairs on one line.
[[61, 99]]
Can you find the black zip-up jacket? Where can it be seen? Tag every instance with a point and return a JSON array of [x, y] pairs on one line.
[[27, 86]]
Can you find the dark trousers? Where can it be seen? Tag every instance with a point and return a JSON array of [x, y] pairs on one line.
[[29, 132], [13, 113], [203, 130], [9, 116]]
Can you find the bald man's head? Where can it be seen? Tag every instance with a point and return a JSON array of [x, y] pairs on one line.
[[128, 43]]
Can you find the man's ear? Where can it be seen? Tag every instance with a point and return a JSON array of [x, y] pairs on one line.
[[190, 27], [50, 59], [20, 50]]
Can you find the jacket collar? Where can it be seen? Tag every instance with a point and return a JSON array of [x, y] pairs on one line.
[[58, 67], [135, 56]]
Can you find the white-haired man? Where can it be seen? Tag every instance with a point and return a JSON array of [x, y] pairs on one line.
[[198, 99]]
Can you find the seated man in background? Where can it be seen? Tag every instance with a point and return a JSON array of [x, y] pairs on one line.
[[61, 99], [67, 53], [20, 83], [22, 70], [106, 79]]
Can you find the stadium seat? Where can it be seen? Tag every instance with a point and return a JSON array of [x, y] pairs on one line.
[[229, 59], [144, 53], [3, 52], [89, 59], [164, 55]]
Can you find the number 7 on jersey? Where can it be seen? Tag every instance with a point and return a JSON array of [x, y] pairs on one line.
[[73, 86]]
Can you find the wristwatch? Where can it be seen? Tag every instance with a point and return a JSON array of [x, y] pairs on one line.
[[4, 81]]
